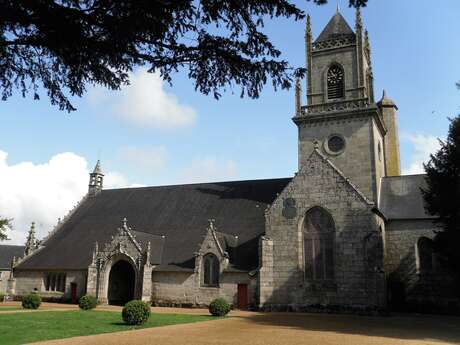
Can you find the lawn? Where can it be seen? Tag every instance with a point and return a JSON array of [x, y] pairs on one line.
[[9, 308], [20, 328]]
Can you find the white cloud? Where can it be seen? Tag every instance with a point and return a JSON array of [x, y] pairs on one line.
[[44, 192], [145, 158], [422, 146], [145, 102], [208, 170]]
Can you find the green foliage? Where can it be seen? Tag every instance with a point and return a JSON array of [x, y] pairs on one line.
[[442, 195], [5, 225], [87, 302], [219, 307], [31, 301], [2, 297], [64, 45], [136, 312]]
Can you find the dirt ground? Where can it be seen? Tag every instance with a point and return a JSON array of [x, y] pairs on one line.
[[282, 328]]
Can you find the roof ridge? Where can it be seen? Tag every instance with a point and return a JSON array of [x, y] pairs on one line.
[[202, 183]]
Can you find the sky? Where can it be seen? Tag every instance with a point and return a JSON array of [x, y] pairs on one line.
[[151, 133]]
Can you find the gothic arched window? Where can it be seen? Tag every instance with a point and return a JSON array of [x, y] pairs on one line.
[[211, 270], [335, 82], [319, 239], [424, 255]]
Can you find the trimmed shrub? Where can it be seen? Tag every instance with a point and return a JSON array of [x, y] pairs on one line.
[[31, 301], [219, 307], [87, 302], [136, 312], [2, 297]]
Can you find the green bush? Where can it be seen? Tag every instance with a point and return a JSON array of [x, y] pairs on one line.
[[219, 307], [31, 301], [87, 302], [136, 312], [2, 297]]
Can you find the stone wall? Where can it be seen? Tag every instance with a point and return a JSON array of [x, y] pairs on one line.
[[29, 281], [358, 259], [4, 276], [357, 161], [409, 288], [182, 288]]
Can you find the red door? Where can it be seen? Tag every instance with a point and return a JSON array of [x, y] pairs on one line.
[[243, 296], [73, 292]]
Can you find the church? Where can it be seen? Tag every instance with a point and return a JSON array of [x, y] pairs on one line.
[[347, 232]]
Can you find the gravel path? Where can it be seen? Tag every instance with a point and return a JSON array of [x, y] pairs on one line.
[[287, 329]]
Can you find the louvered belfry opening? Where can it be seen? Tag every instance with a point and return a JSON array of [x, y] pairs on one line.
[[335, 82]]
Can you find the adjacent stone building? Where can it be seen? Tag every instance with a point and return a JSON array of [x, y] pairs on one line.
[[347, 231]]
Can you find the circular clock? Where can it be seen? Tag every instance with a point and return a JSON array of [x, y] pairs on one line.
[[335, 75]]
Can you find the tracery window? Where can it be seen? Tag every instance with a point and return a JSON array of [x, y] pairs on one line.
[[335, 82], [55, 281], [211, 270], [319, 239]]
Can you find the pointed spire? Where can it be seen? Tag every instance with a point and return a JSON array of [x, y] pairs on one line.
[[386, 101], [298, 98], [367, 45], [97, 168], [338, 6], [308, 27], [31, 242], [359, 20], [96, 179]]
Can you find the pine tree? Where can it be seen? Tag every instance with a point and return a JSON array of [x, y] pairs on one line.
[[442, 196], [62, 46]]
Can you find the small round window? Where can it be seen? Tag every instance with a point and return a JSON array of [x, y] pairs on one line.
[[335, 144]]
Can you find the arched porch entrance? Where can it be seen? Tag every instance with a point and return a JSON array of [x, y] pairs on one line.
[[122, 279]]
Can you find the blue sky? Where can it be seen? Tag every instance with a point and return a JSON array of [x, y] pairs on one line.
[[415, 58]]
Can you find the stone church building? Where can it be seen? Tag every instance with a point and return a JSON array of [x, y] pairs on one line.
[[347, 231]]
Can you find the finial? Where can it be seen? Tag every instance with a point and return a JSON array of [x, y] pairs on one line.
[[32, 227], [359, 20], [338, 6], [308, 26], [211, 224], [316, 144], [124, 223], [298, 100]]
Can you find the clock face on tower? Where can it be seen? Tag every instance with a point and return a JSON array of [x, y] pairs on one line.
[[335, 82], [335, 75]]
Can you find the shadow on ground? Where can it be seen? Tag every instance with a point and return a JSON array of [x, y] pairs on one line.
[[401, 326]]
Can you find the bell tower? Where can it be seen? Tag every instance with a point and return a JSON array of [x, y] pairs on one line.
[[341, 116], [96, 179]]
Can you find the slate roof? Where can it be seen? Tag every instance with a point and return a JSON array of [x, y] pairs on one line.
[[6, 255], [401, 198], [336, 28], [179, 213]]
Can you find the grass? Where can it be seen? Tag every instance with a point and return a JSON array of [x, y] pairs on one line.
[[20, 328], [8, 307]]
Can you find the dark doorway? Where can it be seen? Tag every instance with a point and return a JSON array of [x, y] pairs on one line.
[[121, 283], [73, 292], [243, 296]]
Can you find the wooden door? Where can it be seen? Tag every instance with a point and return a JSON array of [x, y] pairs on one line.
[[73, 292], [243, 296]]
